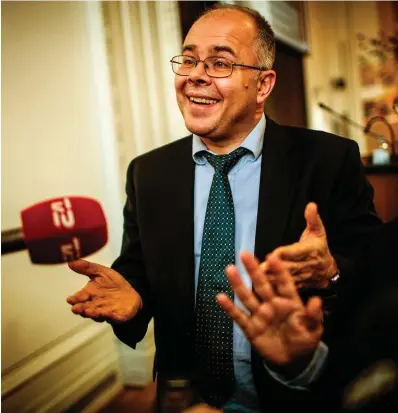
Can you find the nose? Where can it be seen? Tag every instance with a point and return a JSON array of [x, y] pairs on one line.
[[198, 74]]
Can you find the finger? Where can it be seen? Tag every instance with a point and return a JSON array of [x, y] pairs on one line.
[[267, 271], [233, 311], [264, 265], [305, 284], [301, 267], [106, 312], [299, 251], [284, 282], [79, 308], [84, 267], [262, 318], [92, 310], [304, 277], [79, 297], [260, 281], [95, 314], [315, 313], [99, 303], [245, 295], [314, 222], [310, 321]]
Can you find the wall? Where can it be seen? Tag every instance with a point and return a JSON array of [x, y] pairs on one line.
[[334, 53], [57, 139], [141, 38], [330, 58]]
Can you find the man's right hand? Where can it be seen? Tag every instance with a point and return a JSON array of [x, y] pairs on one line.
[[108, 296]]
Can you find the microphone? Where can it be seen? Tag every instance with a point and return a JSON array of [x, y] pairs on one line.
[[366, 129], [348, 120], [58, 230]]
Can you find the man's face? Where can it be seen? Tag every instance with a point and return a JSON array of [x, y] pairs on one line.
[[234, 109]]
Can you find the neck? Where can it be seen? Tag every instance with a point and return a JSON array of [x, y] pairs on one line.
[[222, 146]]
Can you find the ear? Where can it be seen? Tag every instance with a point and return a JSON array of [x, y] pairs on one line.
[[265, 84]]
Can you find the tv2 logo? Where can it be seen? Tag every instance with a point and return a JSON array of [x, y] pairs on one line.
[[71, 251], [63, 217], [63, 214]]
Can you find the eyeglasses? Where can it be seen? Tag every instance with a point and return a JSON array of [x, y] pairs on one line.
[[214, 66]]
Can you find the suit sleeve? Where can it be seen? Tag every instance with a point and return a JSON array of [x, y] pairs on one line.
[[353, 220], [130, 264]]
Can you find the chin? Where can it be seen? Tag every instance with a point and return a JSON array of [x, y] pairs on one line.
[[199, 128]]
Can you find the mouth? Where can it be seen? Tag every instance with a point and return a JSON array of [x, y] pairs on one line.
[[202, 101]]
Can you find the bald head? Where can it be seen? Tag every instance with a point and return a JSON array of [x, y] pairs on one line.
[[264, 37]]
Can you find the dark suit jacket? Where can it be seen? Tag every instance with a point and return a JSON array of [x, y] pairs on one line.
[[298, 166], [363, 330]]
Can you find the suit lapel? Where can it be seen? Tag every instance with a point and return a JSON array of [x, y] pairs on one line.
[[178, 208], [279, 171]]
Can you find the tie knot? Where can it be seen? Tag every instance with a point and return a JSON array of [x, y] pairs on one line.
[[224, 163]]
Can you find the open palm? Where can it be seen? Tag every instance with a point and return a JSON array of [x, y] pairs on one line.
[[106, 297], [309, 260], [278, 325]]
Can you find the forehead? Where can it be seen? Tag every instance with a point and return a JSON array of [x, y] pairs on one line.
[[231, 29]]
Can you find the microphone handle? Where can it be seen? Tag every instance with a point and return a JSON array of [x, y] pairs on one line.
[[12, 241]]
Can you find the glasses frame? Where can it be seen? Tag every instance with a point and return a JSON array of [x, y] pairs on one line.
[[204, 65]]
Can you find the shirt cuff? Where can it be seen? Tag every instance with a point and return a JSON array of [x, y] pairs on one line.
[[310, 374]]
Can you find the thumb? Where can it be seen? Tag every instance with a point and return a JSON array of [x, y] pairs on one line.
[[314, 222], [88, 268]]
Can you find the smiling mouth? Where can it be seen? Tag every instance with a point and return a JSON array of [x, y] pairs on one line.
[[203, 101]]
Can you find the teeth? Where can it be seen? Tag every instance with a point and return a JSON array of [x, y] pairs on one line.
[[206, 101]]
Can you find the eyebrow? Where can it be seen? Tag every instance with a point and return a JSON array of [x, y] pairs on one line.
[[216, 49], [224, 49], [188, 48]]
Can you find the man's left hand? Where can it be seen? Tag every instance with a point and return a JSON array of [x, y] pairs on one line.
[[309, 260], [284, 330]]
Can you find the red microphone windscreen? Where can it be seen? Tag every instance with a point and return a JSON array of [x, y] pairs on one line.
[[63, 229]]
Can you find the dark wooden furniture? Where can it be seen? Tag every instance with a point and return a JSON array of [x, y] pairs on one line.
[[384, 179]]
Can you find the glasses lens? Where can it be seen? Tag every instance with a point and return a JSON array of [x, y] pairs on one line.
[[182, 65], [218, 66], [214, 66]]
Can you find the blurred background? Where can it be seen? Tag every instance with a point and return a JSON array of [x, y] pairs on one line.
[[87, 86]]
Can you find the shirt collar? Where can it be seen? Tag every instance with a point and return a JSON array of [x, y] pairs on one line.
[[253, 142]]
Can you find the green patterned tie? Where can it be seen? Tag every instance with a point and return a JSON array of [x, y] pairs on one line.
[[214, 329]]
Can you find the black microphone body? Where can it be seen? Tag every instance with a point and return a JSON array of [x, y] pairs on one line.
[[12, 240]]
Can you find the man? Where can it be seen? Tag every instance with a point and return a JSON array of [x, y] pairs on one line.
[[239, 182]]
